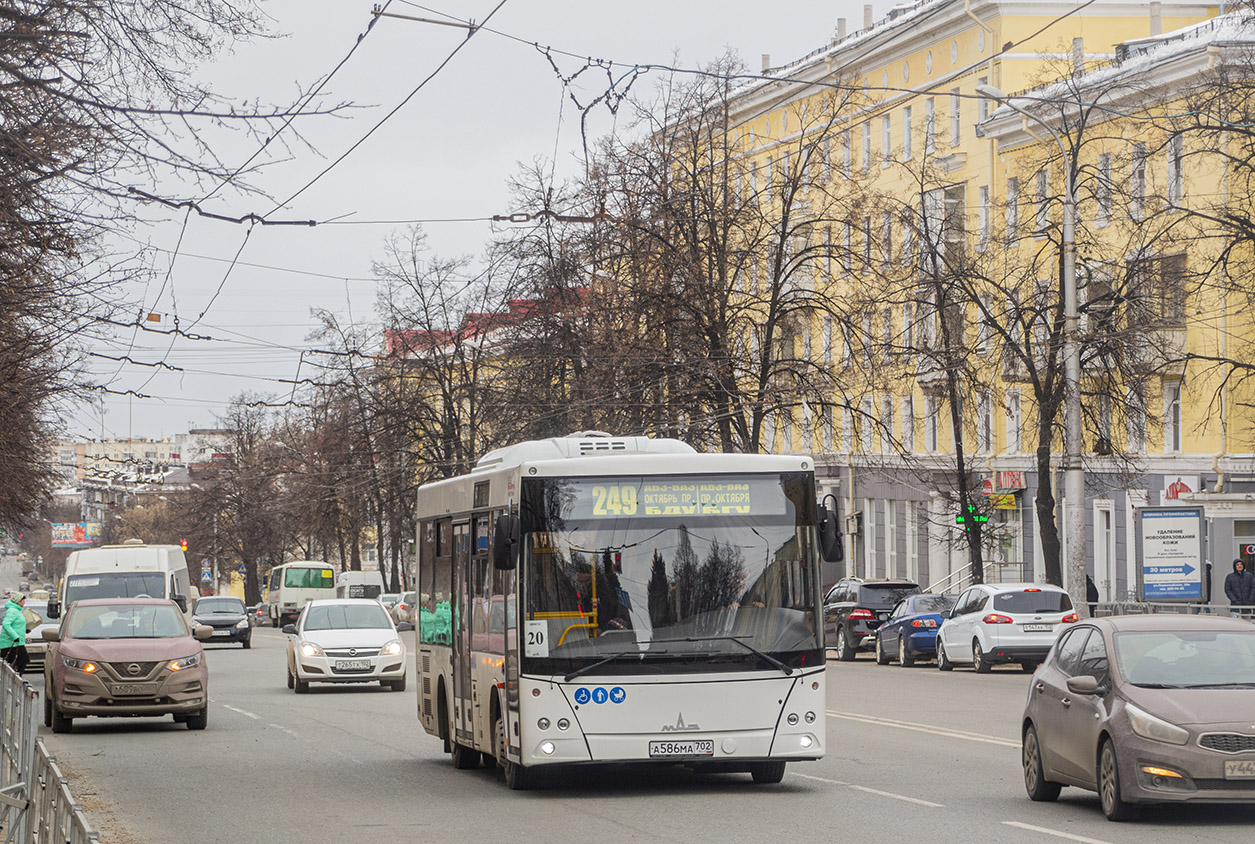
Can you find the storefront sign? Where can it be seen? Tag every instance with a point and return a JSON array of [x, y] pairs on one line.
[[1170, 551]]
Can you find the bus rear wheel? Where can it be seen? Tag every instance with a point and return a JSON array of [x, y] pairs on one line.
[[767, 773]]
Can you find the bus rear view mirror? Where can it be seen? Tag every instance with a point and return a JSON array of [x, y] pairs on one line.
[[830, 545], [505, 542]]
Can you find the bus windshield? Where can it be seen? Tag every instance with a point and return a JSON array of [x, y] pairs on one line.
[[128, 584], [675, 572], [299, 577]]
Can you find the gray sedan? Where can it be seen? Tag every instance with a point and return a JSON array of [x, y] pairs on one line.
[[1145, 709]]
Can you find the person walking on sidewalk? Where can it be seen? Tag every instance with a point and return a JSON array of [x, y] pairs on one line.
[[13, 633], [1239, 588]]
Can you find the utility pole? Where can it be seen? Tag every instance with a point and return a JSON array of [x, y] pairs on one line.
[[217, 590]]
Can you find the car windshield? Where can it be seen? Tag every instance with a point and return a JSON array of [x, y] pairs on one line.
[[682, 569], [883, 595], [1033, 600], [933, 603], [121, 621], [309, 578], [130, 584], [206, 606], [346, 617], [1186, 658]]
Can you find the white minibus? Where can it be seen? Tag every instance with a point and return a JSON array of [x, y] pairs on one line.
[[129, 570], [293, 585], [360, 584]]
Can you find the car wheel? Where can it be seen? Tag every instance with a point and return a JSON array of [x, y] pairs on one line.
[[905, 659], [47, 710], [198, 720], [845, 651], [397, 685], [1113, 802], [248, 643], [767, 773], [982, 665], [943, 661], [516, 776], [1035, 783], [300, 686], [61, 724], [291, 684], [1029, 667], [882, 658]]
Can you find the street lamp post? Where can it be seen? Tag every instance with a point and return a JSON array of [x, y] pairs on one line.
[[1074, 469]]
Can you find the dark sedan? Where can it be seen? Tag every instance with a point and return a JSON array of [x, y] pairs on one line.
[[1145, 709], [228, 618], [910, 631]]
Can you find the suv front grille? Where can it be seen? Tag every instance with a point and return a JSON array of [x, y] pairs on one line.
[[122, 669], [1227, 742]]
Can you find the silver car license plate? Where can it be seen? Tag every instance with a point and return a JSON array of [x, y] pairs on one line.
[[681, 749], [1243, 769], [1037, 628], [222, 632], [134, 688], [352, 665]]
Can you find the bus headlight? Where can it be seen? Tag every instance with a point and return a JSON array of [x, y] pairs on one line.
[[563, 723]]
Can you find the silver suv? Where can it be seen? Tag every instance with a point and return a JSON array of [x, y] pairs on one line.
[[1003, 622]]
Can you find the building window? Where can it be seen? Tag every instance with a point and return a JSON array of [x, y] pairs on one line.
[[1136, 402], [1103, 190], [891, 538], [847, 346], [1013, 421], [930, 125], [886, 332], [984, 326], [869, 537], [867, 338], [956, 120], [982, 104], [984, 423], [1013, 207], [867, 243], [911, 534], [1043, 199], [908, 237], [827, 424], [867, 147], [867, 424], [886, 141], [1176, 165], [827, 339], [886, 423], [807, 345], [886, 237], [982, 199], [828, 251], [786, 427], [847, 429], [1137, 182], [1102, 444], [907, 151], [1172, 416], [847, 154], [769, 178], [908, 327], [847, 251], [930, 424], [908, 424]]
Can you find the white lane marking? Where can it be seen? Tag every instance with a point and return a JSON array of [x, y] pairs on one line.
[[284, 729], [877, 791], [242, 711], [1056, 833], [925, 728], [901, 797]]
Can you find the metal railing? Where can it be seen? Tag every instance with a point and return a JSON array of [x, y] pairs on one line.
[[36, 806], [958, 580], [1132, 606]]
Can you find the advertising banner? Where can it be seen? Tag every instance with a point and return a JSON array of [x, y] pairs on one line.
[[75, 534], [1170, 552]]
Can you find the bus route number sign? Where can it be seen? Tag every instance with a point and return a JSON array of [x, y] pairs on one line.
[[536, 638], [672, 498]]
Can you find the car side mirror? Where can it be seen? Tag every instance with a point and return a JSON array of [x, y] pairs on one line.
[[1083, 685], [290, 629], [403, 626], [203, 631], [54, 609], [505, 542], [831, 547], [51, 634], [181, 600]]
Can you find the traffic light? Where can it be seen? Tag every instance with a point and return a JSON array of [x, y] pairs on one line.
[[183, 544]]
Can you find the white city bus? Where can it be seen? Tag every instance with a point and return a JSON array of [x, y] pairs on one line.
[[293, 585], [596, 599]]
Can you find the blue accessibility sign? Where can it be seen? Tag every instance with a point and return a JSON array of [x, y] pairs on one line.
[[581, 695], [600, 695], [618, 694]]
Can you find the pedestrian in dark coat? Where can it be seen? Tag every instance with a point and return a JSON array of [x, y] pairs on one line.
[[1239, 587]]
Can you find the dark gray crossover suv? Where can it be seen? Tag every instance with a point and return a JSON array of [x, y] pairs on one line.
[[854, 608]]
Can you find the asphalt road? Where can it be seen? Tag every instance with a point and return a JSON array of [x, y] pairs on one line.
[[913, 754]]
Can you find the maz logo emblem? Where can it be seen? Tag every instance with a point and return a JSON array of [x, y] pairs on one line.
[[680, 726]]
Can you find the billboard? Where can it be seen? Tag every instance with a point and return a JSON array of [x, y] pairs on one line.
[[75, 534], [1170, 542]]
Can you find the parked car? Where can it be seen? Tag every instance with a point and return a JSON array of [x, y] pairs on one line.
[[1145, 709], [228, 618], [854, 608], [345, 640], [996, 623], [255, 614], [910, 631], [125, 656], [36, 646], [405, 610], [389, 600]]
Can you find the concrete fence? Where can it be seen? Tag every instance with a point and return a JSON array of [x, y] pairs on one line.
[[36, 806]]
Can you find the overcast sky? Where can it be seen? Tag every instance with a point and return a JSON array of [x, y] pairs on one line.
[[446, 154]]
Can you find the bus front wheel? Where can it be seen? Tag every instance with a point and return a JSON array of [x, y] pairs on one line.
[[515, 775], [767, 772]]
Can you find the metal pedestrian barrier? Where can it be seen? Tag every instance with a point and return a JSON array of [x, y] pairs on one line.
[[36, 806]]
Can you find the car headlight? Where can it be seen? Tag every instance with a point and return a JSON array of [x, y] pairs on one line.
[[1155, 729], [310, 649], [243, 622], [391, 649], [185, 662], [80, 664]]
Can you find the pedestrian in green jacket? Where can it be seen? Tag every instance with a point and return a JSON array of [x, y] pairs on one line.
[[13, 633]]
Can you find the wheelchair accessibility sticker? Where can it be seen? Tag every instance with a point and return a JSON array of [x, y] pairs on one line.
[[600, 694]]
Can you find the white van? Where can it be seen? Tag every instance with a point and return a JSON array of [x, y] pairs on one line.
[[360, 584], [129, 570], [293, 585]]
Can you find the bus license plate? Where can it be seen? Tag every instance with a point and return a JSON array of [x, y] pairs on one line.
[[134, 688], [681, 749], [352, 665], [1037, 628], [1240, 770]]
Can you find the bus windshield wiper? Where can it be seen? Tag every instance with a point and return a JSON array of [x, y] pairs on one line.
[[609, 658], [766, 657]]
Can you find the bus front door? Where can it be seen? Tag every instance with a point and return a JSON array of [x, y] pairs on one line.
[[462, 704]]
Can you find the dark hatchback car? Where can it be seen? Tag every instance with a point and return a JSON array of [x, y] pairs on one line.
[[910, 631], [228, 618], [854, 608]]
